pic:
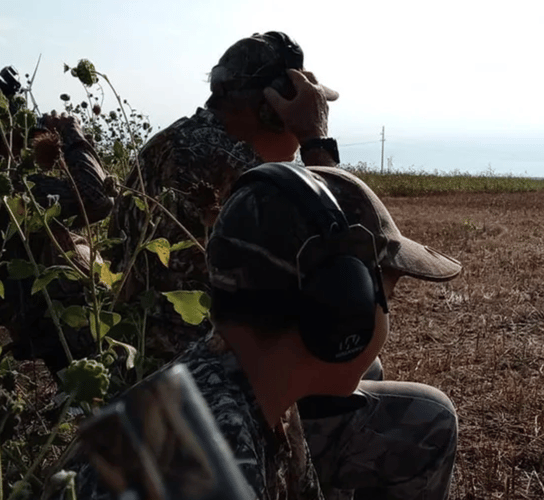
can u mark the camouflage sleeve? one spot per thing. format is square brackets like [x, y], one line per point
[89, 177]
[189, 167]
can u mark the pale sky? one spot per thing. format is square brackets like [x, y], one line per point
[421, 68]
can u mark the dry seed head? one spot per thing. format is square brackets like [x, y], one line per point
[47, 149]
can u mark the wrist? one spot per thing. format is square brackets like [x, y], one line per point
[320, 149]
[307, 136]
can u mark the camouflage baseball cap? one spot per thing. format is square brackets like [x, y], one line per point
[258, 62]
[259, 235]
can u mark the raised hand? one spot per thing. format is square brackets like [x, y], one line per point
[306, 115]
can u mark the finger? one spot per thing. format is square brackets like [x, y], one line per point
[274, 98]
[297, 77]
[311, 77]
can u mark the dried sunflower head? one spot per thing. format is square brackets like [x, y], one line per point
[47, 149]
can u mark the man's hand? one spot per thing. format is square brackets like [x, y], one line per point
[306, 115]
[68, 127]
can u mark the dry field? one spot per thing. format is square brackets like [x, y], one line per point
[480, 338]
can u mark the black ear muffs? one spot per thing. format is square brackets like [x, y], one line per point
[339, 278]
[338, 309]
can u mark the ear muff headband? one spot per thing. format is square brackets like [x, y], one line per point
[339, 276]
[313, 199]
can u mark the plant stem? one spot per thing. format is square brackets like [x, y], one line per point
[50, 232]
[92, 257]
[126, 272]
[52, 311]
[171, 216]
[132, 139]
[32, 478]
[11, 158]
[45, 448]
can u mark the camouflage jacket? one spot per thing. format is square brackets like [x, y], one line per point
[190, 167]
[276, 462]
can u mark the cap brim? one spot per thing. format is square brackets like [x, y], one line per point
[420, 261]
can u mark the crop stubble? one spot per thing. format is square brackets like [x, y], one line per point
[479, 338]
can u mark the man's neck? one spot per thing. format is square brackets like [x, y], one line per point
[245, 126]
[273, 369]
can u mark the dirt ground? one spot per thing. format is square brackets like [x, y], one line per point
[479, 338]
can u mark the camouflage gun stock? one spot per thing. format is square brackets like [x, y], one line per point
[160, 442]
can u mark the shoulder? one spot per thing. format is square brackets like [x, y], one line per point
[233, 405]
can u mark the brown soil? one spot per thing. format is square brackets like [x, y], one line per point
[480, 337]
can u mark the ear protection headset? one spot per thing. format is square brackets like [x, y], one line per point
[338, 273]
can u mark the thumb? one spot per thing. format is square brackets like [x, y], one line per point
[274, 98]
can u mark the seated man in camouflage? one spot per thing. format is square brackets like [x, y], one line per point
[302, 264]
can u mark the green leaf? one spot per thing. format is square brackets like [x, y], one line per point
[161, 247]
[44, 279]
[4, 104]
[139, 203]
[6, 187]
[2, 292]
[118, 149]
[25, 119]
[52, 212]
[105, 322]
[58, 309]
[130, 350]
[75, 316]
[108, 243]
[192, 306]
[17, 206]
[20, 269]
[182, 245]
[70, 220]
[105, 274]
[35, 223]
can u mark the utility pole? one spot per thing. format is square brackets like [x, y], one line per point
[383, 143]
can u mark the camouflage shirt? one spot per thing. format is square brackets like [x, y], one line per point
[190, 167]
[276, 462]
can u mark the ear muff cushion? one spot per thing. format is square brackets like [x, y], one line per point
[338, 309]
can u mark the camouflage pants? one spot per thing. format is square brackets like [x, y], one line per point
[389, 440]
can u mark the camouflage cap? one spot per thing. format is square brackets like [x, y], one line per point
[260, 232]
[362, 206]
[257, 62]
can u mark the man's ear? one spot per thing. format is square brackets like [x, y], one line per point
[269, 118]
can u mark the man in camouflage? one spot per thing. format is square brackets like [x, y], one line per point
[191, 165]
[386, 440]
[259, 375]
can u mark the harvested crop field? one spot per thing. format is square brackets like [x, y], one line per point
[479, 338]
